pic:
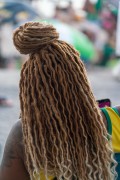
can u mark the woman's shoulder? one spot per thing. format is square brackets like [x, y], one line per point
[16, 133]
[13, 161]
[15, 140]
[17, 128]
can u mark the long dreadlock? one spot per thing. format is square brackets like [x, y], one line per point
[64, 135]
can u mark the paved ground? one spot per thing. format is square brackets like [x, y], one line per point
[102, 82]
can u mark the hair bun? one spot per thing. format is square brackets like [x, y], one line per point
[33, 35]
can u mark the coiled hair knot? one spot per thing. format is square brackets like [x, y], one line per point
[33, 36]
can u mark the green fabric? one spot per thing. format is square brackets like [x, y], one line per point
[98, 5]
[109, 124]
[83, 44]
[95, 15]
[107, 53]
[116, 110]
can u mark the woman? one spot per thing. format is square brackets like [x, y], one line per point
[63, 133]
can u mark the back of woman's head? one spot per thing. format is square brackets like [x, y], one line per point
[63, 132]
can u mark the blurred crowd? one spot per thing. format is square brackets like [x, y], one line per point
[97, 20]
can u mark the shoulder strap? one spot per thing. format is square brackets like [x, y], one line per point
[109, 124]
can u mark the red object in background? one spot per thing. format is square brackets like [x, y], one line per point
[104, 103]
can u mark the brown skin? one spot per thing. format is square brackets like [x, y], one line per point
[12, 166]
[13, 162]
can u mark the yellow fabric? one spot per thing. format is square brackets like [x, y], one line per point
[115, 120]
[42, 177]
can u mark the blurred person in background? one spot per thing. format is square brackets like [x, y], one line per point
[100, 27]
[93, 10]
[91, 26]
[109, 24]
[61, 134]
[65, 13]
[5, 102]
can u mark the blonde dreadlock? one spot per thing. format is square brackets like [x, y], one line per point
[63, 131]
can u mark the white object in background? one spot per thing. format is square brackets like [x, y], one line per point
[78, 4]
[118, 33]
[7, 48]
[116, 71]
[45, 8]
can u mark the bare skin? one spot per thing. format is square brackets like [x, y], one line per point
[12, 166]
[13, 162]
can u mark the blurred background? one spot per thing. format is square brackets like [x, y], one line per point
[91, 26]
